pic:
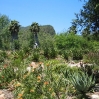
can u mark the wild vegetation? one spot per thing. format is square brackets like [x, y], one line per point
[43, 72]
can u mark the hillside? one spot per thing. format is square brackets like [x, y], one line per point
[43, 29]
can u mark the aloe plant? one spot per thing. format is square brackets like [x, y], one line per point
[82, 83]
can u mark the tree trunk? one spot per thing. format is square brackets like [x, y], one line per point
[36, 39]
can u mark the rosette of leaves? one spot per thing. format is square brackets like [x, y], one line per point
[68, 71]
[14, 29]
[82, 83]
[34, 27]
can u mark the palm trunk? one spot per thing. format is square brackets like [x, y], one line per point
[36, 39]
[14, 36]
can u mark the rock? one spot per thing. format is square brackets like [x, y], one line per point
[32, 64]
[29, 69]
[95, 96]
[1, 92]
[5, 94]
[2, 96]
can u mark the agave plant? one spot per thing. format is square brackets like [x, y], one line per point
[82, 83]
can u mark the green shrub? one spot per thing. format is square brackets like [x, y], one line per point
[3, 56]
[96, 73]
[92, 57]
[17, 58]
[67, 54]
[43, 84]
[6, 76]
[53, 52]
[46, 52]
[49, 50]
[15, 45]
[77, 54]
[71, 41]
[35, 56]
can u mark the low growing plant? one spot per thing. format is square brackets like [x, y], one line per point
[7, 75]
[82, 83]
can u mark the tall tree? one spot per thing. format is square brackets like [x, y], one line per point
[34, 28]
[14, 29]
[4, 21]
[88, 18]
[72, 29]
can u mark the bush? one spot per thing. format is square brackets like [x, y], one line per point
[53, 52]
[67, 54]
[43, 84]
[49, 50]
[67, 41]
[35, 55]
[46, 52]
[77, 54]
[6, 76]
[92, 57]
[3, 55]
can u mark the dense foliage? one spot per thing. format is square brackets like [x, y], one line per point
[87, 20]
[47, 29]
[44, 72]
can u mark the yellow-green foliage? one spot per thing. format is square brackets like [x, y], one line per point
[51, 79]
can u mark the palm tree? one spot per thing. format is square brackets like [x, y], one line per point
[14, 29]
[34, 28]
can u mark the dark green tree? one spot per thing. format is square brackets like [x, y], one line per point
[72, 29]
[88, 18]
[14, 29]
[34, 28]
[4, 21]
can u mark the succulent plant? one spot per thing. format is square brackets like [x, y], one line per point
[82, 82]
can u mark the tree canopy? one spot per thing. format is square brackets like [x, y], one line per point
[88, 18]
[4, 21]
[34, 27]
[14, 29]
[47, 29]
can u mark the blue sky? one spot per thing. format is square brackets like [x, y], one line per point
[58, 13]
